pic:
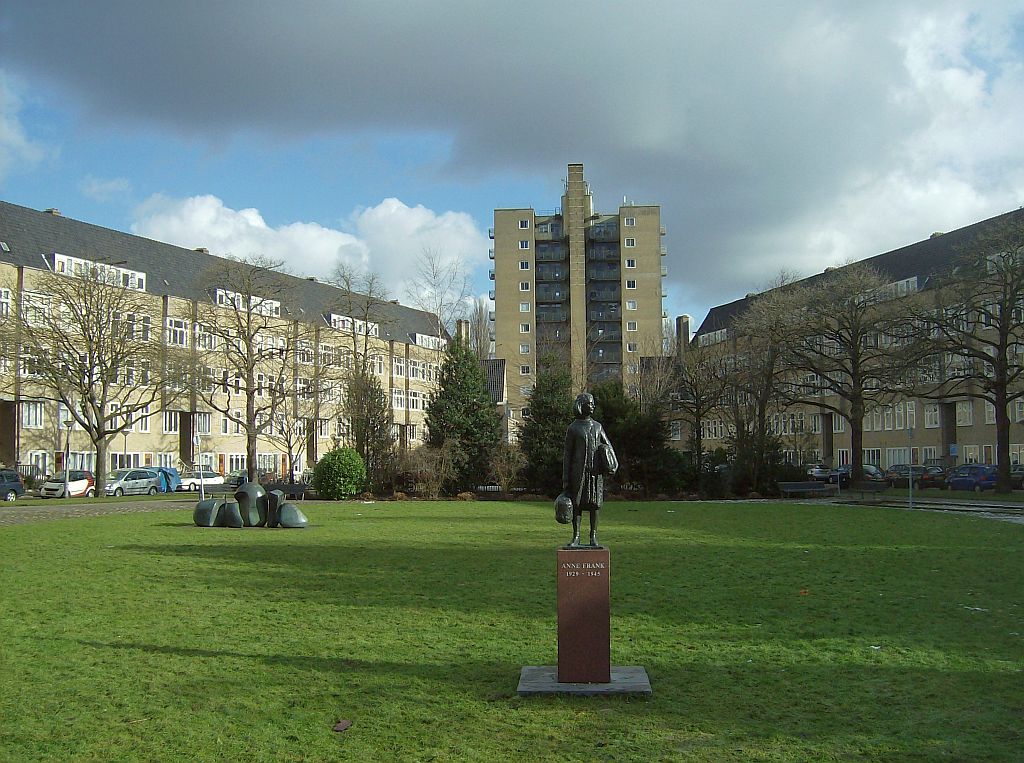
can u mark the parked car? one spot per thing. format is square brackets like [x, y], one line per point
[133, 482]
[869, 472]
[235, 478]
[80, 483]
[12, 486]
[976, 477]
[933, 476]
[818, 472]
[191, 480]
[898, 475]
[1017, 476]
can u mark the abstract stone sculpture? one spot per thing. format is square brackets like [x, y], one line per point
[206, 512]
[253, 508]
[290, 516]
[249, 496]
[587, 458]
[230, 515]
[274, 501]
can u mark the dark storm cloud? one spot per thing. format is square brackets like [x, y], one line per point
[761, 129]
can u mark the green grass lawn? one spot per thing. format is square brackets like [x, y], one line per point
[769, 631]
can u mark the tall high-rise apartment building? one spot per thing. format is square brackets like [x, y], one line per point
[577, 285]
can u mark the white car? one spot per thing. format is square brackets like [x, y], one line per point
[80, 483]
[190, 480]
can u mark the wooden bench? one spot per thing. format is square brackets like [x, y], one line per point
[805, 489]
[867, 486]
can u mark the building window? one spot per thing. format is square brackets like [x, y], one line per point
[203, 423]
[172, 422]
[524, 286]
[970, 454]
[675, 430]
[398, 398]
[964, 414]
[990, 413]
[524, 328]
[630, 284]
[631, 304]
[630, 263]
[142, 419]
[524, 244]
[911, 415]
[838, 423]
[815, 423]
[630, 325]
[524, 264]
[1019, 413]
[524, 224]
[630, 243]
[524, 370]
[398, 366]
[872, 456]
[524, 349]
[177, 332]
[524, 307]
[5, 302]
[630, 346]
[629, 222]
[32, 415]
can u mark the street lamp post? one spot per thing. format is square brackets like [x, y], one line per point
[197, 439]
[910, 474]
[68, 423]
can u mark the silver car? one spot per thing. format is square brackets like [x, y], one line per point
[133, 482]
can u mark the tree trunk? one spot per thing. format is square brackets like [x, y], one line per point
[1003, 484]
[250, 454]
[856, 439]
[101, 465]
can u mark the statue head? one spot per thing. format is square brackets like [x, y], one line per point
[584, 405]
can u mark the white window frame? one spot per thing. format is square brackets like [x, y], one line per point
[524, 307]
[524, 225]
[524, 349]
[631, 326]
[630, 263]
[629, 222]
[631, 304]
[631, 284]
[630, 243]
[525, 370]
[524, 328]
[524, 286]
[524, 243]
[524, 264]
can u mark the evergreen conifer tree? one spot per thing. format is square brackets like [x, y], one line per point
[542, 437]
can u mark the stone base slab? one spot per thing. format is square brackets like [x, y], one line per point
[543, 679]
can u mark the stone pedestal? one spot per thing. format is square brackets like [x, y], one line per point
[584, 615]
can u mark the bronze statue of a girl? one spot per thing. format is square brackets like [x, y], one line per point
[587, 458]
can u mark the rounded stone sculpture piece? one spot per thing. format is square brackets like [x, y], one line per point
[274, 502]
[249, 496]
[206, 512]
[230, 515]
[290, 516]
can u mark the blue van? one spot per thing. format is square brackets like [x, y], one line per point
[11, 485]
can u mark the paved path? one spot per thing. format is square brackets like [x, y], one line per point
[39, 511]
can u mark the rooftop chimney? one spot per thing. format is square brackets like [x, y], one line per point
[202, 250]
[462, 331]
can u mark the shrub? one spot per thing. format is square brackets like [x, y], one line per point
[341, 473]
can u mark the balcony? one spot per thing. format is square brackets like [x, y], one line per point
[664, 251]
[550, 294]
[604, 356]
[490, 294]
[551, 316]
[662, 231]
[609, 312]
[603, 253]
[550, 273]
[490, 273]
[603, 295]
[490, 233]
[490, 315]
[608, 336]
[603, 274]
[490, 254]
[603, 232]
[551, 253]
[664, 271]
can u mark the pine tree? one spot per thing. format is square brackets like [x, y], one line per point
[542, 437]
[461, 411]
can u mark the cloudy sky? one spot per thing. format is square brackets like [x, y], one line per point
[782, 135]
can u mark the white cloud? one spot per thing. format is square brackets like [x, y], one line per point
[15, 145]
[104, 189]
[386, 238]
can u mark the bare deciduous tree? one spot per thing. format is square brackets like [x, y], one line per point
[87, 342]
[439, 287]
[480, 327]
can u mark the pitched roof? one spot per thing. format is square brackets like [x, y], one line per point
[31, 236]
[923, 259]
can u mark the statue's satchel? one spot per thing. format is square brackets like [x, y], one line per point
[605, 459]
[563, 509]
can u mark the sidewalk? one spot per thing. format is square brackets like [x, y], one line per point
[55, 508]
